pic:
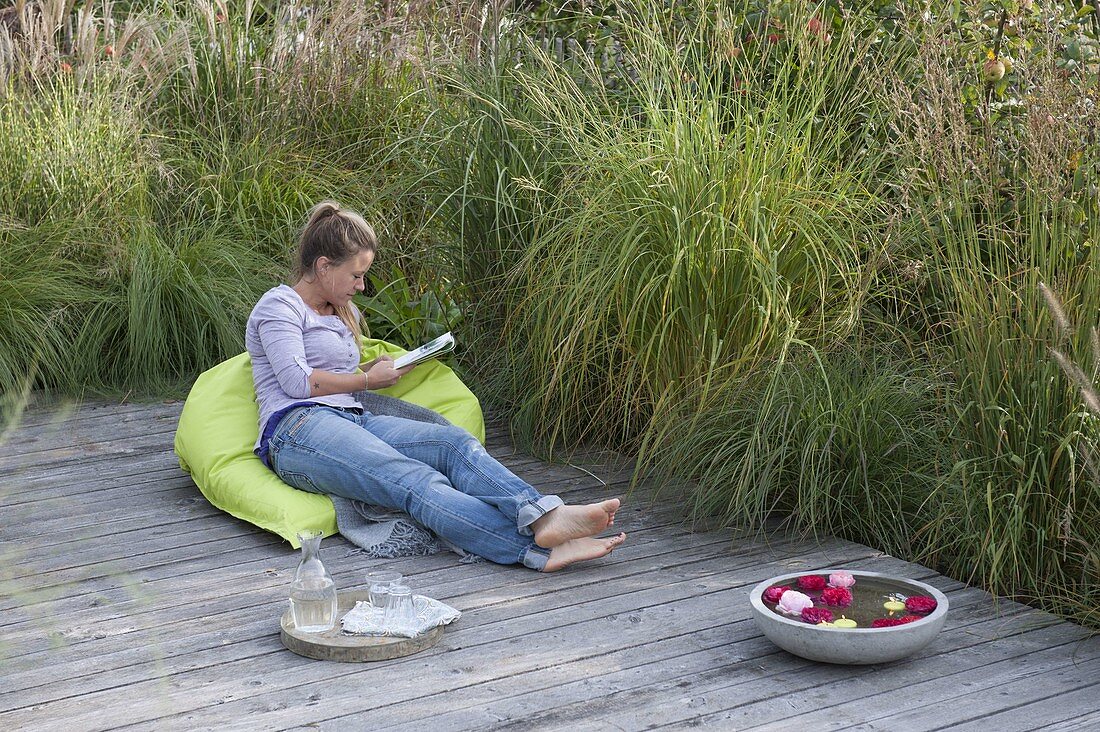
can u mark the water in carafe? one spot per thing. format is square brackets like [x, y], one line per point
[313, 605]
[313, 593]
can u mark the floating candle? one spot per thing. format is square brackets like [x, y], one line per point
[843, 622]
[893, 605]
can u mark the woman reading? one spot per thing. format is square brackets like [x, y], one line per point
[304, 344]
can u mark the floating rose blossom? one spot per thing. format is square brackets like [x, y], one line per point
[920, 604]
[886, 622]
[772, 594]
[793, 603]
[841, 579]
[815, 615]
[894, 622]
[837, 596]
[811, 582]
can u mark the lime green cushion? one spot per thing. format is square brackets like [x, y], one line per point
[218, 429]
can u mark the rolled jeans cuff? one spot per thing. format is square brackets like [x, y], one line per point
[535, 557]
[532, 511]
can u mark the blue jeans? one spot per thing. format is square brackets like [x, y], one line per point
[439, 475]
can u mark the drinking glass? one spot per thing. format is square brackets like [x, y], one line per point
[379, 583]
[399, 617]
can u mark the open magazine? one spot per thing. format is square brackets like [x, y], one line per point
[443, 344]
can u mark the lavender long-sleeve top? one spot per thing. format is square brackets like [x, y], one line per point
[287, 340]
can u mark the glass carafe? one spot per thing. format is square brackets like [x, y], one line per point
[313, 593]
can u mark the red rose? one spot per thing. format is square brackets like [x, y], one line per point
[772, 594]
[811, 582]
[815, 615]
[837, 596]
[886, 622]
[920, 604]
[893, 622]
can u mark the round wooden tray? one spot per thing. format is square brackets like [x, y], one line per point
[333, 645]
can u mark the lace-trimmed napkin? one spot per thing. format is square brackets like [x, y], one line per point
[363, 620]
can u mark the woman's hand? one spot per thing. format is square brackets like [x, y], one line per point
[381, 373]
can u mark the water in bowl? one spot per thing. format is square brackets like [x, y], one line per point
[869, 597]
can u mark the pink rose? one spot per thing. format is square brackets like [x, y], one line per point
[841, 579]
[772, 594]
[793, 602]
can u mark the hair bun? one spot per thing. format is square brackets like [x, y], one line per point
[323, 210]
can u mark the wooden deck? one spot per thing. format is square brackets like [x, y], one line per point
[129, 602]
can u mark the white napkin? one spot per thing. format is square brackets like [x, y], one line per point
[363, 620]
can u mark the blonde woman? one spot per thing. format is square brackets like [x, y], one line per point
[304, 344]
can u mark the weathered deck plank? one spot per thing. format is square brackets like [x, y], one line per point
[124, 591]
[676, 652]
[200, 599]
[239, 621]
[883, 697]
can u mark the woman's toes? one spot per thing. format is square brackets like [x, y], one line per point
[579, 550]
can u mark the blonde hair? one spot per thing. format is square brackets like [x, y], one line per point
[336, 234]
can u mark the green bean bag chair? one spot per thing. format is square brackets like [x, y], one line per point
[218, 429]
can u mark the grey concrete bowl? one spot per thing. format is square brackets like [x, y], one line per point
[849, 645]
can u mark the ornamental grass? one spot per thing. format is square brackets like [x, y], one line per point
[791, 258]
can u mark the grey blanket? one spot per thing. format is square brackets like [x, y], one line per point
[384, 533]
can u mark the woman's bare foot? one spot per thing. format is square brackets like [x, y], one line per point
[566, 523]
[578, 550]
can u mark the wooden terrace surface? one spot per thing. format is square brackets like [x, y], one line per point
[128, 602]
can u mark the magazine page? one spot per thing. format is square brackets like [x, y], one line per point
[443, 344]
